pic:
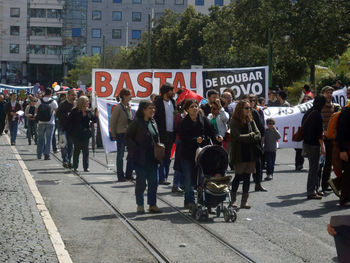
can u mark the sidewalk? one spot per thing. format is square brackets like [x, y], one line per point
[23, 236]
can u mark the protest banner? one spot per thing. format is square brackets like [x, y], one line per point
[107, 83]
[287, 119]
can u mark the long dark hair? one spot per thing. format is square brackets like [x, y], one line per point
[144, 104]
[238, 113]
[319, 102]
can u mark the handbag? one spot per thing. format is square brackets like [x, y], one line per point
[159, 151]
[299, 135]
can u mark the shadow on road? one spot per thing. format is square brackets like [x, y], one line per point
[328, 207]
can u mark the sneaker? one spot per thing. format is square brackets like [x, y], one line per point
[344, 204]
[140, 210]
[260, 188]
[164, 183]
[86, 170]
[6, 131]
[70, 166]
[177, 190]
[65, 164]
[75, 170]
[47, 157]
[314, 196]
[320, 193]
[154, 209]
[268, 177]
[299, 168]
[334, 187]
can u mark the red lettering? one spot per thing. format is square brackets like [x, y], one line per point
[143, 83]
[163, 76]
[179, 78]
[285, 134]
[103, 79]
[124, 78]
[193, 84]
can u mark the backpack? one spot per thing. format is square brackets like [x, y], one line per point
[44, 111]
[333, 124]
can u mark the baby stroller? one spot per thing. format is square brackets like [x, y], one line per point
[213, 184]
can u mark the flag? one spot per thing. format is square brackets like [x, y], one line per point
[188, 94]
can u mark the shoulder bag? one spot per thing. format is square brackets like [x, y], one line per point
[159, 149]
[299, 135]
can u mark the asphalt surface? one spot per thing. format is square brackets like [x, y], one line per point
[282, 226]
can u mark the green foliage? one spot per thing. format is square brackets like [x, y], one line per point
[331, 81]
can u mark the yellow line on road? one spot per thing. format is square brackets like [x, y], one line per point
[56, 240]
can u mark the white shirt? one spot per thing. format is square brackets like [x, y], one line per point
[53, 106]
[169, 115]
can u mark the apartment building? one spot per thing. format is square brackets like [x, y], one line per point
[31, 38]
[122, 22]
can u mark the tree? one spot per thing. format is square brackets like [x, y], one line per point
[83, 66]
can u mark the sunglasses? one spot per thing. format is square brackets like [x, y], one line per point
[271, 123]
[247, 108]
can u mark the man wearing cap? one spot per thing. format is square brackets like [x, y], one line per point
[273, 101]
[327, 111]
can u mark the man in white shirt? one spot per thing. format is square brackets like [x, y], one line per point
[45, 114]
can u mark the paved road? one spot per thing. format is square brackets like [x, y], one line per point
[282, 225]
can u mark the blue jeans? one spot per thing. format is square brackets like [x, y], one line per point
[270, 158]
[45, 132]
[143, 174]
[120, 139]
[188, 173]
[13, 126]
[163, 170]
[67, 151]
[178, 180]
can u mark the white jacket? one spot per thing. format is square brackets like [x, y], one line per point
[221, 120]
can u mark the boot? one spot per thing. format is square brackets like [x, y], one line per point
[244, 202]
[234, 198]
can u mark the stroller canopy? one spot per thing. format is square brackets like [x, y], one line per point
[212, 160]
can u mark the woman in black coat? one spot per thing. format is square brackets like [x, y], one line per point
[141, 136]
[79, 128]
[195, 131]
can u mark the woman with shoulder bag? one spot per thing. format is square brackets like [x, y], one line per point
[244, 140]
[79, 121]
[194, 131]
[141, 137]
[121, 116]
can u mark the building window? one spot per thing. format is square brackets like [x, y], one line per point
[37, 31]
[96, 33]
[96, 50]
[38, 13]
[199, 2]
[53, 50]
[96, 15]
[14, 48]
[219, 2]
[76, 32]
[96, 1]
[14, 30]
[179, 2]
[136, 16]
[116, 33]
[136, 34]
[37, 49]
[54, 32]
[54, 13]
[14, 12]
[117, 1]
[137, 1]
[159, 2]
[117, 16]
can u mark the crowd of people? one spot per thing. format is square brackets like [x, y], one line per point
[239, 126]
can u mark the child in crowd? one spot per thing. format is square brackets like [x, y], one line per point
[270, 147]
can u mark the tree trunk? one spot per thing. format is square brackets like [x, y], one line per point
[312, 78]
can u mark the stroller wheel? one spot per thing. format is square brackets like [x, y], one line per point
[233, 214]
[226, 214]
[218, 211]
[198, 214]
[205, 214]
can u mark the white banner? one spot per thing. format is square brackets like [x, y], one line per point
[288, 119]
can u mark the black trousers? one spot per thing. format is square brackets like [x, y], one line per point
[245, 177]
[81, 144]
[325, 172]
[345, 183]
[257, 176]
[2, 125]
[299, 159]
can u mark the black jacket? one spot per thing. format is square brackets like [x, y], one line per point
[63, 111]
[2, 110]
[259, 121]
[140, 142]
[189, 132]
[159, 117]
[313, 127]
[79, 125]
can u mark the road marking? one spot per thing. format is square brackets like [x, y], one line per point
[56, 239]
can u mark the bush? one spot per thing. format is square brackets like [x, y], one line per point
[331, 81]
